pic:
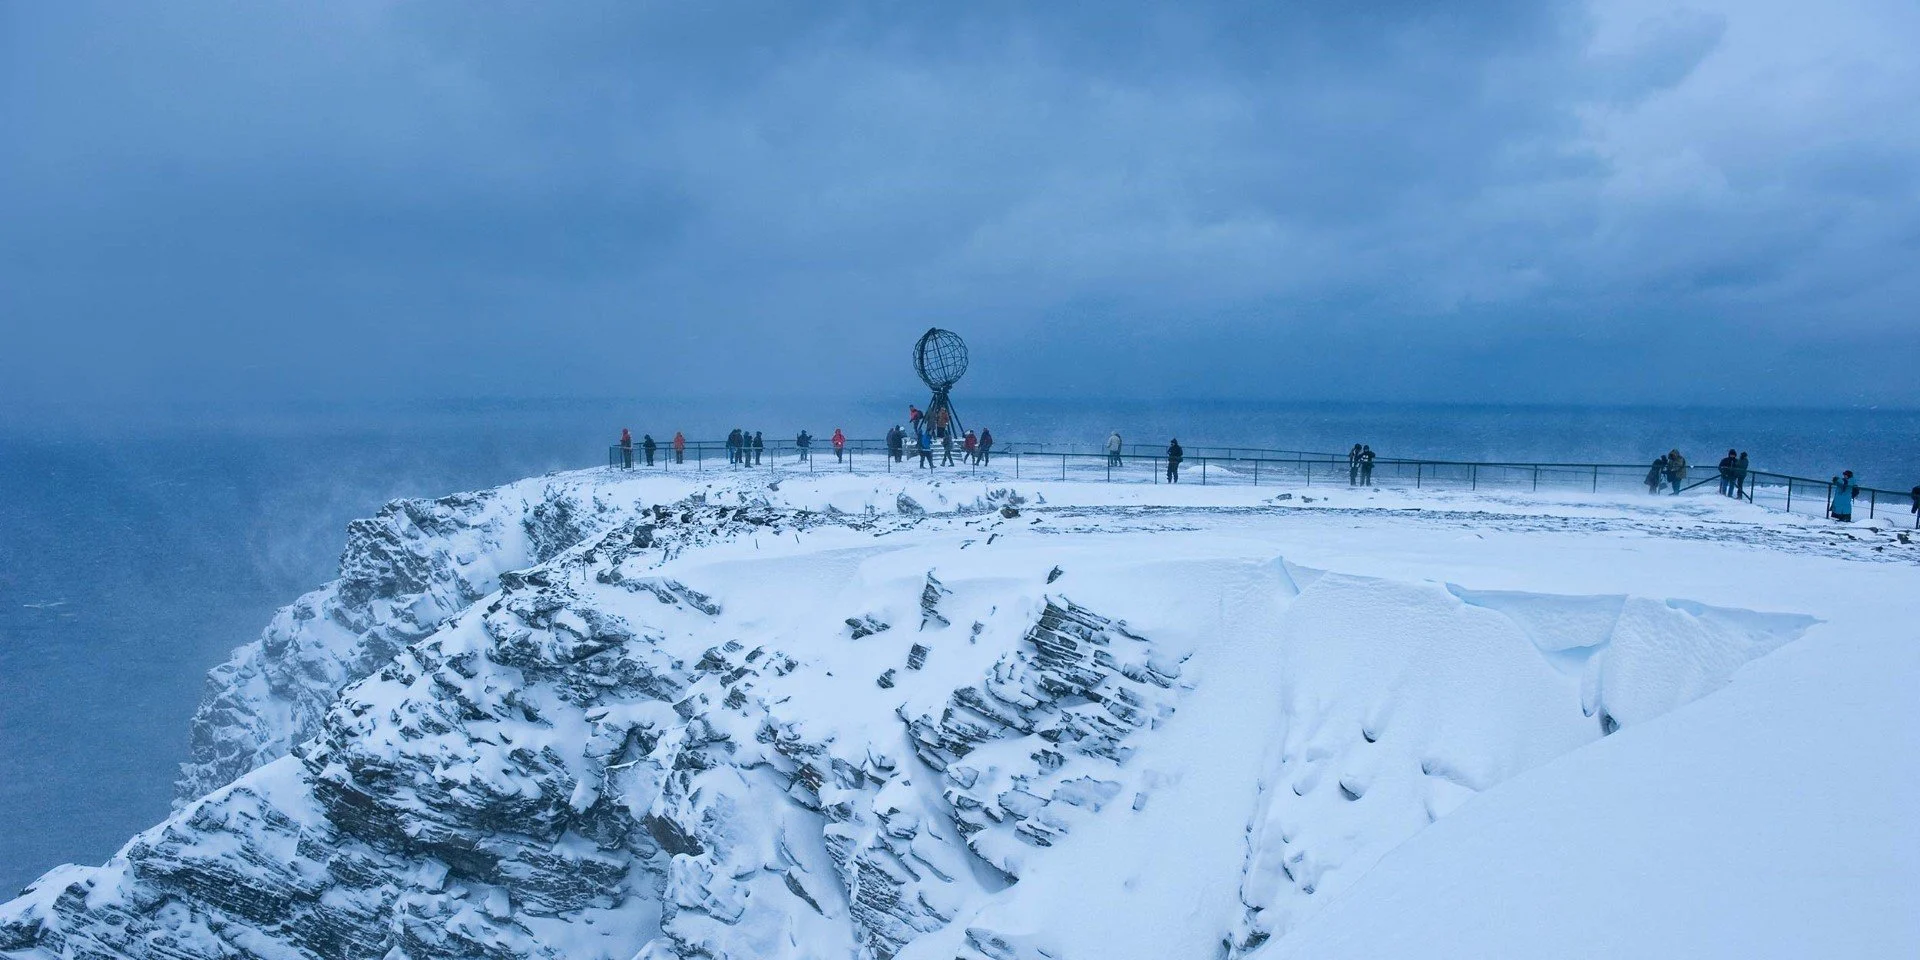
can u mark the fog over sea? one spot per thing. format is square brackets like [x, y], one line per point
[135, 554]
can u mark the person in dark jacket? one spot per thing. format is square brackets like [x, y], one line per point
[986, 446]
[1366, 466]
[946, 449]
[733, 446]
[626, 449]
[897, 443]
[759, 447]
[1740, 476]
[1844, 490]
[805, 442]
[1727, 464]
[1656, 474]
[1174, 456]
[1353, 466]
[648, 446]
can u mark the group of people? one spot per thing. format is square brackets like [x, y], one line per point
[1668, 469]
[1360, 466]
[1175, 454]
[744, 449]
[648, 447]
[1733, 475]
[920, 442]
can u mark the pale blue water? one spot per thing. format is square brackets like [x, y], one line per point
[129, 566]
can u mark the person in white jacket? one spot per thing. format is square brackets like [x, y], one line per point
[1113, 449]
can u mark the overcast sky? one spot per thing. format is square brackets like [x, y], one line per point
[1511, 201]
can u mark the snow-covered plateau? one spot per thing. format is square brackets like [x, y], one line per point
[600, 715]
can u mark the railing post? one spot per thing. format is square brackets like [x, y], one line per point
[1203, 471]
[1596, 479]
[1063, 466]
[1016, 464]
[1873, 497]
[1536, 479]
[1418, 469]
[1309, 473]
[1256, 473]
[1473, 477]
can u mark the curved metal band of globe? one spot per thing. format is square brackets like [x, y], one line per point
[940, 358]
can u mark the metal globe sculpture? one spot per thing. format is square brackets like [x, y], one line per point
[940, 358]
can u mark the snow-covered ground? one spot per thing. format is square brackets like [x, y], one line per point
[847, 715]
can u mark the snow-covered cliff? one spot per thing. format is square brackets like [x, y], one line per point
[648, 719]
[403, 571]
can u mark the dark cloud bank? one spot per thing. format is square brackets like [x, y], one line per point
[1524, 202]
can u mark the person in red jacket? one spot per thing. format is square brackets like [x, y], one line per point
[626, 449]
[839, 444]
[913, 417]
[679, 447]
[968, 444]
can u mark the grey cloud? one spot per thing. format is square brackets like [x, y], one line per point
[439, 199]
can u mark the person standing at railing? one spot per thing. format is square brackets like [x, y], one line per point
[647, 446]
[896, 442]
[626, 449]
[1656, 474]
[1174, 456]
[986, 446]
[1366, 466]
[1740, 476]
[839, 444]
[805, 444]
[1727, 464]
[1676, 470]
[1114, 445]
[1353, 466]
[759, 447]
[679, 447]
[733, 447]
[1844, 490]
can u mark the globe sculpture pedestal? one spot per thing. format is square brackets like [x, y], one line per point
[940, 358]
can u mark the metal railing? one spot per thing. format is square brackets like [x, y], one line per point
[1261, 467]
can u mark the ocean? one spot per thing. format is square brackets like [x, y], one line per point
[134, 559]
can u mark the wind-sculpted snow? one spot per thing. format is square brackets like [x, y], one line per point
[1434, 695]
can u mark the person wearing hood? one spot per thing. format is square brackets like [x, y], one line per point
[1727, 464]
[969, 448]
[1656, 474]
[759, 447]
[1114, 446]
[804, 441]
[1174, 456]
[1844, 490]
[924, 444]
[648, 446]
[626, 449]
[1676, 469]
[986, 446]
[733, 446]
[679, 447]
[839, 441]
[1366, 466]
[1740, 476]
[1353, 466]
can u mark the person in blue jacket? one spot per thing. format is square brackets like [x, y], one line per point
[1844, 490]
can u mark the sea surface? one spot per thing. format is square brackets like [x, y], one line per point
[134, 559]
